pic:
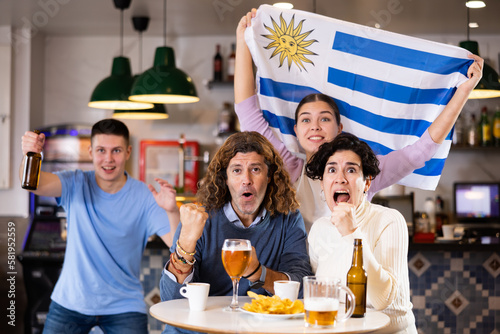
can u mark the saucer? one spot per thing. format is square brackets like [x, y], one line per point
[443, 239]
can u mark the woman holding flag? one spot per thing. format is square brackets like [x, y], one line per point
[317, 121]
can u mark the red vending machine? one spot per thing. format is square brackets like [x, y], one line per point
[171, 160]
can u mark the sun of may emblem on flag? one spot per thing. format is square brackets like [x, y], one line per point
[289, 42]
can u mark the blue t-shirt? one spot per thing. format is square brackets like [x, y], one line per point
[107, 234]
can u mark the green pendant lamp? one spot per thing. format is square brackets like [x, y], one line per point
[159, 111]
[489, 85]
[164, 82]
[113, 91]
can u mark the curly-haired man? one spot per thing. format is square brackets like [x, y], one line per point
[246, 194]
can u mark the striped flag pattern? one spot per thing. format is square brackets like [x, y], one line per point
[389, 87]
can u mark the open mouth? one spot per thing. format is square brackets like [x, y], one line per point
[108, 168]
[247, 195]
[341, 196]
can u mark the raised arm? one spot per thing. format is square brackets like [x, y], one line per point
[244, 83]
[165, 198]
[443, 124]
[398, 164]
[193, 220]
[49, 184]
[246, 104]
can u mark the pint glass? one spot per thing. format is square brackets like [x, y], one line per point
[322, 296]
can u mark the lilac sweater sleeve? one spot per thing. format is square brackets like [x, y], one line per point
[252, 119]
[398, 164]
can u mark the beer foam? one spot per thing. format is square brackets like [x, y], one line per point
[321, 304]
[236, 248]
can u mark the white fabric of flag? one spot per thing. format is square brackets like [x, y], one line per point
[388, 87]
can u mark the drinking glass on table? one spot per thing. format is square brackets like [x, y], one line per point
[236, 256]
[321, 301]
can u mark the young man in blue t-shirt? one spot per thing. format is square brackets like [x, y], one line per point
[110, 217]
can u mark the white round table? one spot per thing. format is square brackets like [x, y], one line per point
[214, 320]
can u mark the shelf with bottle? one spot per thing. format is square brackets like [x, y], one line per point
[223, 65]
[219, 84]
[482, 135]
[467, 148]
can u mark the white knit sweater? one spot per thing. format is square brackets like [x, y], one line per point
[385, 258]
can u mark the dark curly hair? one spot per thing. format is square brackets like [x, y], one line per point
[343, 142]
[318, 97]
[213, 192]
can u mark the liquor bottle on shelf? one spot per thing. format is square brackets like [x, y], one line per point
[441, 216]
[430, 209]
[357, 279]
[230, 63]
[31, 171]
[226, 120]
[458, 134]
[217, 65]
[472, 137]
[496, 128]
[484, 128]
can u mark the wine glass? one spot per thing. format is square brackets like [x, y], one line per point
[236, 256]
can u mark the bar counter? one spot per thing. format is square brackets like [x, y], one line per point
[454, 286]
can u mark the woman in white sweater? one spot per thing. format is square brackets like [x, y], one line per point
[346, 167]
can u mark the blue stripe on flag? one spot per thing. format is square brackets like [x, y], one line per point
[283, 123]
[269, 87]
[285, 91]
[389, 91]
[432, 167]
[398, 55]
[383, 124]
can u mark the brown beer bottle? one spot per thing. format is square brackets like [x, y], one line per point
[356, 280]
[32, 165]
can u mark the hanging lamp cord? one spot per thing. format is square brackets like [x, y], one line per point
[468, 23]
[140, 51]
[121, 32]
[164, 22]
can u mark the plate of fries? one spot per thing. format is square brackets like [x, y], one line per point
[273, 307]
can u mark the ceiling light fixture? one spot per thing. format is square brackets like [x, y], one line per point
[283, 5]
[475, 4]
[159, 111]
[113, 91]
[164, 83]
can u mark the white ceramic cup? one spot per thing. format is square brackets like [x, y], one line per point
[448, 231]
[287, 289]
[197, 294]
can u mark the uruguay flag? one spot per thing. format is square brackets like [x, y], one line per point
[389, 87]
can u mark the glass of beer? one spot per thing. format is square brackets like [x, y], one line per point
[236, 256]
[322, 296]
